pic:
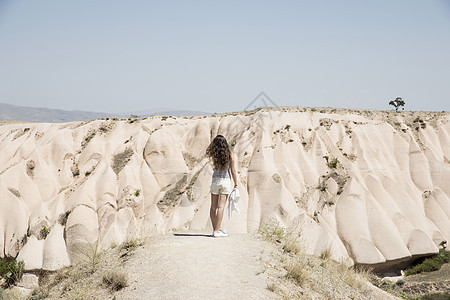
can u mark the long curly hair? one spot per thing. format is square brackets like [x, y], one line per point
[219, 151]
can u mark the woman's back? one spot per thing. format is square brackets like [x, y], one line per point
[222, 173]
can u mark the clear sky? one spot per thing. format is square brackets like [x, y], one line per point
[216, 56]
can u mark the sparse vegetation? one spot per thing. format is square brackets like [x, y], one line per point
[131, 245]
[325, 254]
[89, 136]
[137, 193]
[419, 123]
[20, 133]
[272, 287]
[172, 195]
[276, 177]
[322, 186]
[39, 293]
[10, 294]
[75, 170]
[62, 219]
[322, 277]
[272, 231]
[430, 264]
[351, 156]
[291, 245]
[30, 168]
[115, 280]
[190, 160]
[330, 201]
[14, 192]
[89, 254]
[356, 277]
[121, 159]
[11, 270]
[82, 281]
[296, 269]
[44, 232]
[332, 164]
[436, 296]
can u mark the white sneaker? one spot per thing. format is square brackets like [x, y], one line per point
[220, 233]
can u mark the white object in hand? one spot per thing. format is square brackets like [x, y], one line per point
[233, 201]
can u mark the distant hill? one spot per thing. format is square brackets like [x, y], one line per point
[164, 111]
[10, 112]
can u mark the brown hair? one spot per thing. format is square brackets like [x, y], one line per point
[219, 151]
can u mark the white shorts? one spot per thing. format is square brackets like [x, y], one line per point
[220, 186]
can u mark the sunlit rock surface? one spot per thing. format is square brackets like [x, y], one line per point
[69, 189]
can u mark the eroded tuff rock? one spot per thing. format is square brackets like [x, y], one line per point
[67, 189]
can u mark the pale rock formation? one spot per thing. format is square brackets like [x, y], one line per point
[70, 189]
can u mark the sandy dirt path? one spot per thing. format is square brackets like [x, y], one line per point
[198, 266]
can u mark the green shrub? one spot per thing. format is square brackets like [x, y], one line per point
[44, 231]
[430, 264]
[436, 296]
[332, 164]
[11, 270]
[137, 193]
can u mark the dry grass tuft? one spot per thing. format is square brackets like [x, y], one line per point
[90, 278]
[296, 269]
[272, 287]
[325, 254]
[131, 245]
[88, 254]
[39, 293]
[272, 231]
[313, 277]
[115, 280]
[291, 245]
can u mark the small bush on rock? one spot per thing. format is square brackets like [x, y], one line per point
[430, 264]
[332, 164]
[11, 270]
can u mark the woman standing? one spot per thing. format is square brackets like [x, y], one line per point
[222, 158]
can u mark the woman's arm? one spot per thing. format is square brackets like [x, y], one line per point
[233, 170]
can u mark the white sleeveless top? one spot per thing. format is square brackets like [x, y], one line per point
[225, 173]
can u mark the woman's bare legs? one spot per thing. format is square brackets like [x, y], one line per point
[220, 209]
[213, 210]
[217, 209]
